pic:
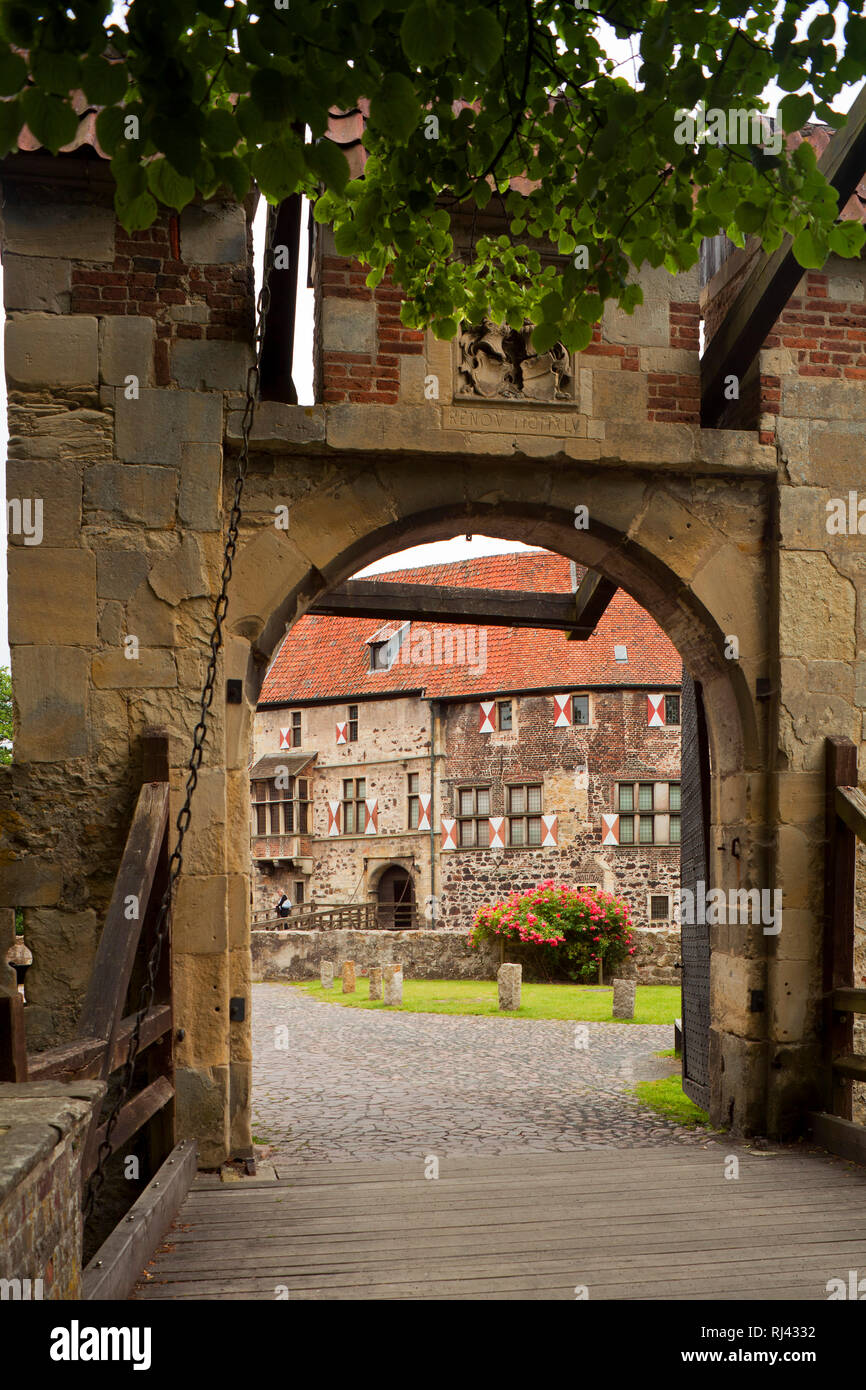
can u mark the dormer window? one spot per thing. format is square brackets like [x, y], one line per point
[385, 646]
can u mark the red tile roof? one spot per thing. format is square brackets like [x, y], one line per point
[326, 658]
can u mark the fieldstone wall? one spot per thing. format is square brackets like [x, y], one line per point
[42, 1130]
[430, 955]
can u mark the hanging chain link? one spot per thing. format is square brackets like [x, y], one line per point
[175, 863]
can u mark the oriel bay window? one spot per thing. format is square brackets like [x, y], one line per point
[473, 811]
[354, 809]
[649, 813]
[524, 814]
[281, 809]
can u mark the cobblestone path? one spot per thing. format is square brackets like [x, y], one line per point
[360, 1084]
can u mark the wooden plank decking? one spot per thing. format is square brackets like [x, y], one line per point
[627, 1224]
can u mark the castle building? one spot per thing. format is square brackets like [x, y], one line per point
[427, 767]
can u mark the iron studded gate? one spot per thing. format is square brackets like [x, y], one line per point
[694, 869]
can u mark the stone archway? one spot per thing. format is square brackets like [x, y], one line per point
[661, 536]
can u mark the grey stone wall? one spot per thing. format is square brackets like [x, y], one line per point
[429, 955]
[42, 1129]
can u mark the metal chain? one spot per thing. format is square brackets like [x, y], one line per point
[175, 863]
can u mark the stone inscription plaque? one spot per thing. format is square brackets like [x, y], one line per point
[511, 421]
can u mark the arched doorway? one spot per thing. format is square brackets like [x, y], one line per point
[395, 897]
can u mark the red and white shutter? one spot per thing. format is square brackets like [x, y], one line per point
[334, 808]
[423, 810]
[342, 731]
[486, 712]
[372, 805]
[610, 830]
[497, 832]
[284, 738]
[561, 711]
[549, 831]
[449, 833]
[655, 711]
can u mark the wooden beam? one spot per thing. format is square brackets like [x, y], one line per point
[133, 1116]
[119, 1261]
[593, 595]
[852, 1001]
[838, 954]
[109, 980]
[773, 279]
[367, 598]
[77, 1060]
[841, 1137]
[851, 808]
[13, 1043]
[853, 1066]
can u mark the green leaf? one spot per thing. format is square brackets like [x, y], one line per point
[13, 74]
[809, 250]
[231, 170]
[10, 126]
[847, 238]
[109, 129]
[544, 335]
[480, 39]
[104, 83]
[136, 213]
[395, 110]
[271, 91]
[328, 161]
[51, 119]
[576, 335]
[221, 132]
[749, 217]
[170, 187]
[795, 111]
[56, 72]
[427, 33]
[445, 329]
[278, 168]
[346, 241]
[722, 201]
[482, 193]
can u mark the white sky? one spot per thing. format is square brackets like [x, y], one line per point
[458, 548]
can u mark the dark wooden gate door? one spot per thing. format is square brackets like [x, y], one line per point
[396, 895]
[694, 869]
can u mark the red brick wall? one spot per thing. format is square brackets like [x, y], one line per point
[149, 278]
[355, 376]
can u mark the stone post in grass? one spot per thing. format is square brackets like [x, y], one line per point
[623, 998]
[348, 977]
[392, 975]
[326, 974]
[375, 982]
[509, 977]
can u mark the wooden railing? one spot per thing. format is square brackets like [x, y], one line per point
[104, 1030]
[845, 825]
[352, 917]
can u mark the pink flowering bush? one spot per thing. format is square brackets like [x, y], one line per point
[571, 932]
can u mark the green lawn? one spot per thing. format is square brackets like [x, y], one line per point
[669, 1099]
[584, 1003]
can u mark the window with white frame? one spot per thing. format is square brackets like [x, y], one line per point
[473, 812]
[524, 808]
[649, 813]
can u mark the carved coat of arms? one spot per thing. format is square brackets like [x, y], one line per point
[495, 360]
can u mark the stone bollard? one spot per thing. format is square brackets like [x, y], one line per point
[509, 977]
[327, 974]
[348, 977]
[623, 998]
[375, 982]
[393, 984]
